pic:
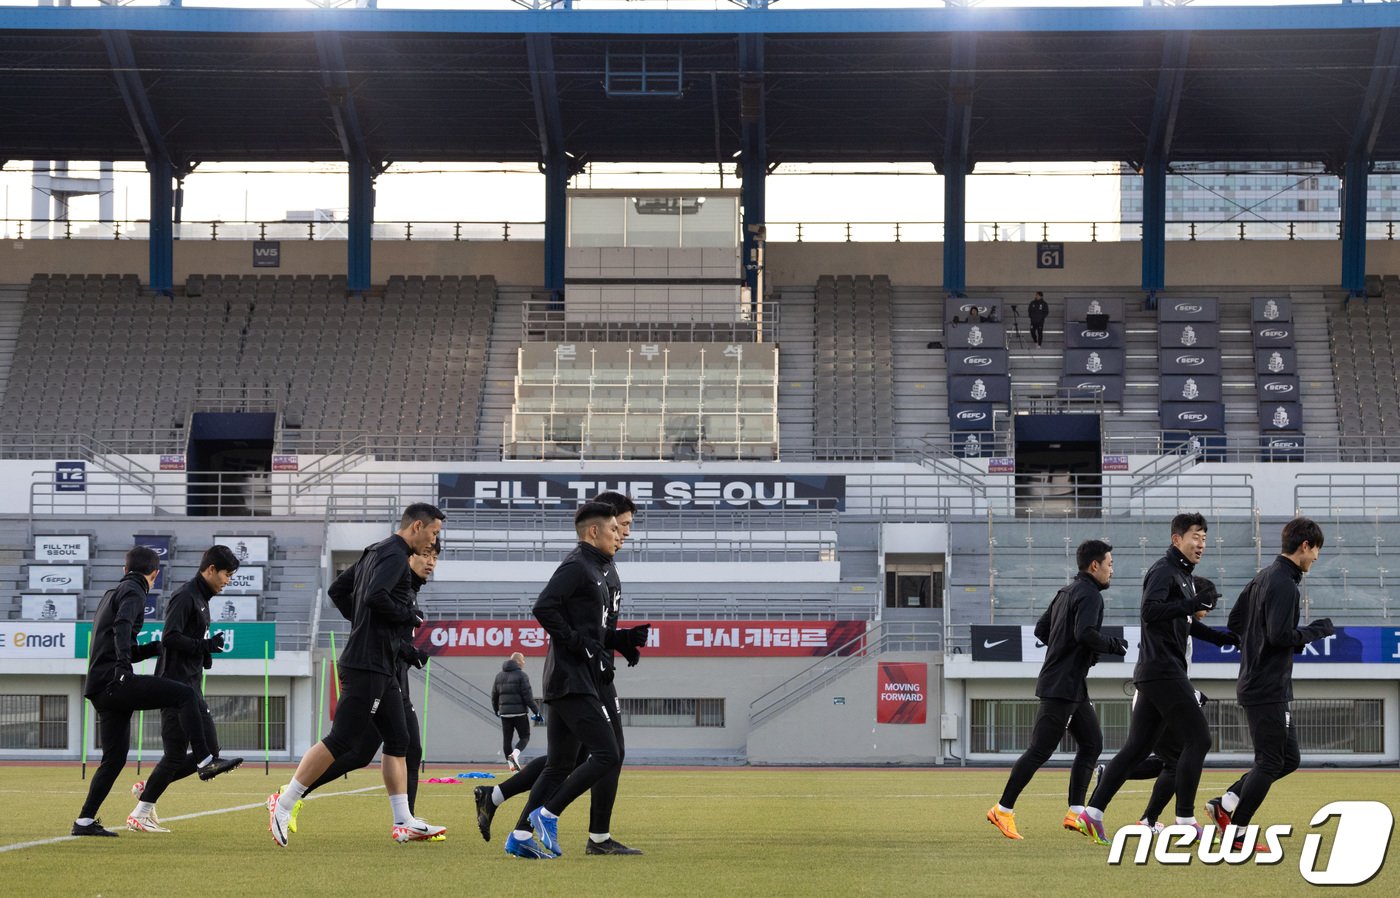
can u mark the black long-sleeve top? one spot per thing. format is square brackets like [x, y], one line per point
[573, 609]
[1070, 630]
[382, 605]
[115, 627]
[1168, 606]
[182, 654]
[1266, 619]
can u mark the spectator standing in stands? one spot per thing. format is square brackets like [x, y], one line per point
[1069, 628]
[116, 691]
[369, 688]
[342, 594]
[1038, 311]
[1266, 618]
[514, 702]
[186, 652]
[1171, 611]
[629, 642]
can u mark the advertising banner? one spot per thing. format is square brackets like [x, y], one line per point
[1280, 416]
[979, 388]
[63, 548]
[1281, 447]
[1189, 388]
[975, 336]
[162, 543]
[70, 476]
[172, 463]
[62, 577]
[1279, 388]
[978, 361]
[901, 692]
[34, 639]
[1277, 333]
[681, 491]
[1079, 336]
[223, 609]
[48, 607]
[1110, 386]
[1269, 309]
[1203, 309]
[1198, 335]
[668, 638]
[1189, 361]
[970, 415]
[1104, 360]
[241, 640]
[961, 307]
[247, 549]
[248, 578]
[1350, 645]
[1078, 308]
[1195, 416]
[1276, 361]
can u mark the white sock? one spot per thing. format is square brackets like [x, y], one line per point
[544, 812]
[399, 805]
[599, 837]
[498, 797]
[144, 809]
[291, 794]
[1229, 801]
[1076, 809]
[205, 762]
[84, 821]
[1004, 809]
[1094, 814]
[1185, 820]
[523, 835]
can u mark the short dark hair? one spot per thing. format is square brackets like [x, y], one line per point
[1186, 520]
[589, 512]
[435, 548]
[420, 511]
[1090, 551]
[142, 560]
[621, 503]
[221, 557]
[1299, 531]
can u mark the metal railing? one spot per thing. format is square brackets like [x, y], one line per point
[647, 321]
[461, 692]
[406, 231]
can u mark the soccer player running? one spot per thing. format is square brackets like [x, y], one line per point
[1266, 618]
[1069, 628]
[572, 608]
[185, 654]
[341, 593]
[369, 688]
[1171, 611]
[116, 691]
[629, 641]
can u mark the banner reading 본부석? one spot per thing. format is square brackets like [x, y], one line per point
[669, 638]
[902, 692]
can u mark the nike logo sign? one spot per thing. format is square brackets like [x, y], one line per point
[988, 644]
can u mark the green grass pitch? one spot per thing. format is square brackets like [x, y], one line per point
[751, 832]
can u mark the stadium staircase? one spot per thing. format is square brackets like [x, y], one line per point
[12, 299]
[502, 364]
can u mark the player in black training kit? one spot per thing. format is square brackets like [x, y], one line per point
[1070, 630]
[1171, 611]
[629, 642]
[341, 594]
[185, 654]
[116, 691]
[369, 688]
[1266, 618]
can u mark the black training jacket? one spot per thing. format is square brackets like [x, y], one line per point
[182, 654]
[1168, 602]
[1039, 310]
[1070, 630]
[511, 695]
[1265, 617]
[382, 607]
[573, 609]
[115, 626]
[342, 595]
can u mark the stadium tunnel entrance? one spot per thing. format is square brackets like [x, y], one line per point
[230, 463]
[1059, 464]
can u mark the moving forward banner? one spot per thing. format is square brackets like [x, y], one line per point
[670, 638]
[902, 692]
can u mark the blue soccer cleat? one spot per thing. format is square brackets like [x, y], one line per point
[546, 829]
[530, 849]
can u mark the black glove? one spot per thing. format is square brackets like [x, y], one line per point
[417, 657]
[637, 636]
[123, 673]
[1321, 628]
[214, 644]
[1228, 638]
[1119, 645]
[1207, 596]
[630, 651]
[208, 661]
[584, 647]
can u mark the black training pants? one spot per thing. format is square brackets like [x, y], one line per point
[511, 727]
[1055, 716]
[573, 721]
[362, 754]
[370, 704]
[1157, 703]
[178, 761]
[604, 794]
[1275, 756]
[114, 710]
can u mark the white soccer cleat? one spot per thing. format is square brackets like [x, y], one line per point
[145, 824]
[277, 819]
[416, 830]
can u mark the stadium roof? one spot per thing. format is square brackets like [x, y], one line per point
[1208, 84]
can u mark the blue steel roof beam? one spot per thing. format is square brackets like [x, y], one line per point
[1378, 93]
[1171, 79]
[135, 97]
[549, 120]
[962, 82]
[335, 80]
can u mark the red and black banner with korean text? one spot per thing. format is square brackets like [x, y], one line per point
[668, 639]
